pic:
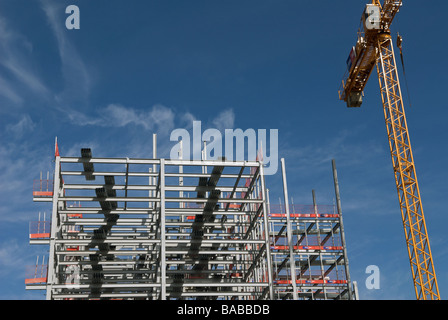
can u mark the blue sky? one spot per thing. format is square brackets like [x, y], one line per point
[135, 68]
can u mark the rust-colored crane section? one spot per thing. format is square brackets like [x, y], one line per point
[375, 47]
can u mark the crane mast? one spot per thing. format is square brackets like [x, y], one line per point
[375, 47]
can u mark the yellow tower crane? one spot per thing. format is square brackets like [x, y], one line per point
[374, 47]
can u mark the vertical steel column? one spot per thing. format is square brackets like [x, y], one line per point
[181, 171]
[152, 179]
[162, 231]
[154, 156]
[151, 193]
[51, 278]
[341, 226]
[267, 200]
[266, 211]
[126, 182]
[355, 290]
[289, 230]
[319, 242]
[154, 147]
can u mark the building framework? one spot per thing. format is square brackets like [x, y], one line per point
[126, 228]
[313, 235]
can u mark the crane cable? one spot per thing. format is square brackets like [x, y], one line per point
[400, 46]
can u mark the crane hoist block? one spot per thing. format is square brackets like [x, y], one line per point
[354, 100]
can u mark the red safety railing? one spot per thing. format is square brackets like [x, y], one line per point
[74, 228]
[40, 229]
[302, 209]
[306, 281]
[36, 274]
[42, 188]
[310, 240]
[318, 248]
[315, 277]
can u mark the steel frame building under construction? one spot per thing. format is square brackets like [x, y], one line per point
[125, 228]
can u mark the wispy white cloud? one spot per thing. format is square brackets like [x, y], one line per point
[187, 119]
[16, 267]
[17, 62]
[74, 150]
[23, 74]
[20, 79]
[158, 117]
[20, 163]
[76, 76]
[8, 91]
[8, 250]
[313, 157]
[310, 161]
[24, 125]
[224, 120]
[136, 126]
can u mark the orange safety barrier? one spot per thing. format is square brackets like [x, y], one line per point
[43, 193]
[302, 209]
[39, 229]
[304, 215]
[39, 235]
[36, 274]
[42, 188]
[312, 281]
[307, 247]
[36, 280]
[74, 215]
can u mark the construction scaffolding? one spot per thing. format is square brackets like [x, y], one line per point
[313, 236]
[125, 228]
